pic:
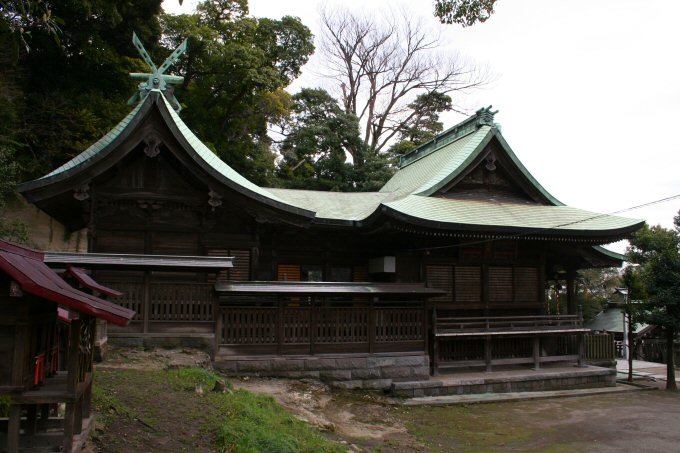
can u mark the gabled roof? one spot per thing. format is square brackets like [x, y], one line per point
[27, 268]
[95, 159]
[416, 194]
[439, 162]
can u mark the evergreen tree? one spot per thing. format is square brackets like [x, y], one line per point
[234, 72]
[657, 251]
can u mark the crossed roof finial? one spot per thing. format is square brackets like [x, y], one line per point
[157, 79]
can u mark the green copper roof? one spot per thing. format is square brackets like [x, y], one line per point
[410, 195]
[215, 162]
[431, 168]
[333, 205]
[203, 155]
[95, 149]
[447, 213]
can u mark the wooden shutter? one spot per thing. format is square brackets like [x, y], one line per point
[500, 284]
[468, 284]
[288, 272]
[526, 284]
[441, 277]
[241, 269]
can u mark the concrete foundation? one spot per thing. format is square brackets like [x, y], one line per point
[367, 371]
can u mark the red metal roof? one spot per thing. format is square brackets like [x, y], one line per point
[84, 279]
[28, 269]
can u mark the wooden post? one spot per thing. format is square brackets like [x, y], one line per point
[571, 296]
[312, 325]
[13, 428]
[146, 301]
[487, 354]
[71, 383]
[219, 326]
[279, 325]
[371, 327]
[537, 353]
[31, 418]
[87, 400]
[426, 335]
[435, 342]
[581, 346]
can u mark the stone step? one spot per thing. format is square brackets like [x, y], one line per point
[504, 382]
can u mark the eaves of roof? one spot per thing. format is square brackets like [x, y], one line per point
[27, 268]
[529, 220]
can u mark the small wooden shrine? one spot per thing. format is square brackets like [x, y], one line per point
[447, 265]
[47, 336]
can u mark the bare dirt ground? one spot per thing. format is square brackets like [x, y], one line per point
[370, 422]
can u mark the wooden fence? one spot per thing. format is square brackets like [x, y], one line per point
[599, 347]
[166, 301]
[320, 329]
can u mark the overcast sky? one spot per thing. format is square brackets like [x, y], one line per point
[587, 91]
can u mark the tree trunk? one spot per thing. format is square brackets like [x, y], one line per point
[670, 361]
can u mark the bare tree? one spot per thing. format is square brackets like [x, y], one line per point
[381, 66]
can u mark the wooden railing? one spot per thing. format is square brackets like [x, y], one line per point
[181, 302]
[507, 324]
[509, 340]
[316, 329]
[132, 298]
[167, 301]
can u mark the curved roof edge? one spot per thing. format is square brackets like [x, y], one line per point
[209, 161]
[429, 215]
[478, 147]
[610, 254]
[197, 150]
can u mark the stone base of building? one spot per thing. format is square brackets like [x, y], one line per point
[203, 342]
[559, 377]
[352, 371]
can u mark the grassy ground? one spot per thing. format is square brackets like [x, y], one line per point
[160, 401]
[176, 410]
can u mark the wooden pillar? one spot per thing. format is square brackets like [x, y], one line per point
[31, 419]
[571, 293]
[146, 302]
[371, 327]
[426, 335]
[219, 325]
[435, 342]
[78, 416]
[485, 290]
[87, 400]
[71, 383]
[312, 326]
[279, 325]
[537, 353]
[487, 354]
[13, 428]
[581, 349]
